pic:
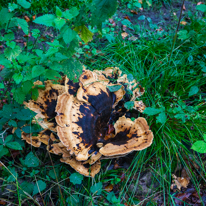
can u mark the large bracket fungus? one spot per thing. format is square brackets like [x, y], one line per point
[90, 119]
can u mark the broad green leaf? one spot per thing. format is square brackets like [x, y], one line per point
[137, 4]
[14, 145]
[37, 71]
[130, 77]
[59, 23]
[1, 148]
[35, 93]
[12, 123]
[26, 86]
[13, 174]
[76, 178]
[161, 118]
[152, 111]
[201, 7]
[183, 34]
[35, 33]
[193, 90]
[5, 16]
[27, 187]
[23, 24]
[52, 174]
[11, 44]
[39, 187]
[199, 146]
[51, 51]
[1, 86]
[129, 105]
[51, 74]
[3, 152]
[84, 33]
[25, 114]
[70, 14]
[7, 111]
[96, 189]
[141, 18]
[69, 35]
[9, 36]
[31, 160]
[11, 54]
[24, 3]
[58, 12]
[204, 137]
[18, 133]
[114, 88]
[8, 138]
[73, 200]
[12, 7]
[17, 77]
[46, 20]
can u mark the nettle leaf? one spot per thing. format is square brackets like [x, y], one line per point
[39, 186]
[14, 145]
[193, 90]
[129, 105]
[58, 12]
[17, 77]
[12, 7]
[102, 10]
[5, 16]
[9, 36]
[114, 88]
[26, 86]
[69, 35]
[162, 118]
[84, 33]
[37, 71]
[59, 23]
[34, 93]
[76, 178]
[51, 74]
[12, 53]
[199, 146]
[70, 14]
[152, 111]
[25, 4]
[46, 20]
[201, 7]
[23, 24]
[51, 51]
[31, 160]
[26, 187]
[96, 189]
[35, 33]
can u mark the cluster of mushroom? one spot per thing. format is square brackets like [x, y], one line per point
[86, 121]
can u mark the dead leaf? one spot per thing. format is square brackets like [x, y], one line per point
[124, 27]
[183, 22]
[34, 17]
[200, 3]
[181, 198]
[160, 29]
[109, 188]
[133, 12]
[25, 44]
[124, 35]
[19, 40]
[27, 18]
[133, 38]
[140, 1]
[2, 202]
[29, 35]
[14, 153]
[184, 8]
[126, 17]
[111, 21]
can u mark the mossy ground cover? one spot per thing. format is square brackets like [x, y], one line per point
[171, 68]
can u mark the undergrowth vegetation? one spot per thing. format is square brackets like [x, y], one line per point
[171, 68]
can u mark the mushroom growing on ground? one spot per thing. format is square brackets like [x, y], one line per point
[90, 119]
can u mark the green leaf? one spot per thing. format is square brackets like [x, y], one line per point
[51, 51]
[141, 18]
[114, 88]
[5, 16]
[11, 44]
[1, 86]
[51, 74]
[26, 86]
[11, 54]
[17, 77]
[58, 12]
[73, 200]
[59, 23]
[35, 33]
[1, 147]
[70, 14]
[199, 146]
[35, 94]
[102, 10]
[8, 138]
[18, 132]
[96, 189]
[14, 145]
[12, 123]
[9, 36]
[19, 96]
[161, 118]
[31, 160]
[52, 174]
[84, 33]
[27, 187]
[183, 34]
[13, 174]
[23, 24]
[25, 4]
[152, 111]
[76, 178]
[3, 152]
[37, 71]
[69, 35]
[130, 77]
[193, 90]
[204, 137]
[25, 114]
[201, 7]
[12, 7]
[39, 187]
[46, 20]
[129, 105]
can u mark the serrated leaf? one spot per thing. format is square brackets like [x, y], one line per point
[26, 86]
[96, 189]
[59, 23]
[76, 178]
[193, 90]
[11, 54]
[34, 94]
[7, 111]
[35, 34]
[58, 12]
[24, 114]
[12, 7]
[70, 14]
[114, 88]
[51, 74]
[5, 16]
[23, 24]
[152, 111]
[37, 71]
[46, 20]
[69, 35]
[14, 145]
[17, 77]
[84, 33]
[39, 186]
[25, 4]
[201, 7]
[161, 118]
[129, 105]
[199, 146]
[31, 160]
[51, 51]
[26, 187]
